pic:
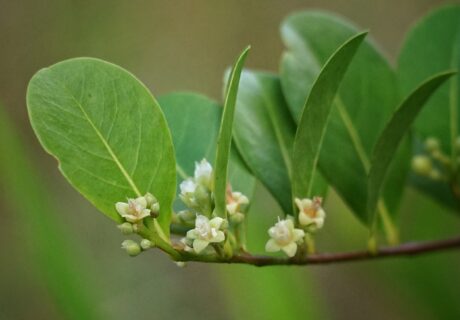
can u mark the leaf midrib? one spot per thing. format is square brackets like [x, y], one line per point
[104, 142]
[278, 135]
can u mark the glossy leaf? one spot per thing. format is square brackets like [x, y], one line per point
[264, 133]
[107, 132]
[393, 134]
[433, 45]
[185, 114]
[365, 101]
[225, 136]
[315, 116]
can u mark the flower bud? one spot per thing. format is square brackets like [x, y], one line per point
[131, 247]
[150, 199]
[180, 264]
[146, 244]
[155, 210]
[432, 144]
[237, 218]
[126, 228]
[422, 165]
[186, 216]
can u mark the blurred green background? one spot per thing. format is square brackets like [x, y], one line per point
[60, 259]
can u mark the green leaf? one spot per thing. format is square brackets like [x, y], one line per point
[107, 132]
[393, 134]
[264, 133]
[225, 136]
[184, 113]
[433, 45]
[45, 238]
[315, 115]
[365, 101]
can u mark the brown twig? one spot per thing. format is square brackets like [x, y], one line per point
[406, 249]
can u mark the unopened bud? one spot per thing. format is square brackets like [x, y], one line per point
[155, 210]
[435, 175]
[126, 228]
[180, 264]
[146, 244]
[237, 218]
[422, 165]
[150, 199]
[432, 144]
[131, 247]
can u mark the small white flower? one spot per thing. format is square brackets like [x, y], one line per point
[206, 231]
[234, 202]
[134, 210]
[203, 173]
[284, 237]
[311, 214]
[187, 187]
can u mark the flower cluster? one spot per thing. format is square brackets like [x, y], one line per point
[197, 194]
[434, 163]
[284, 236]
[134, 211]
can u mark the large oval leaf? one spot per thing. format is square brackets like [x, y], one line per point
[107, 132]
[185, 113]
[365, 101]
[433, 45]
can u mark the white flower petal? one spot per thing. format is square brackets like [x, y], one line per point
[192, 234]
[141, 201]
[131, 218]
[219, 237]
[232, 208]
[298, 234]
[187, 186]
[290, 249]
[199, 245]
[216, 222]
[271, 246]
[122, 208]
[203, 169]
[305, 219]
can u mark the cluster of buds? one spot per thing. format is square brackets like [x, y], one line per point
[133, 248]
[286, 237]
[434, 163]
[196, 192]
[134, 211]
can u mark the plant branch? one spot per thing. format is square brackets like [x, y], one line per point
[406, 249]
